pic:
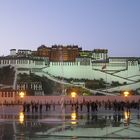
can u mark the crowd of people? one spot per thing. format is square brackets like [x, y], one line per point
[89, 106]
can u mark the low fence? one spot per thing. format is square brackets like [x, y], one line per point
[59, 99]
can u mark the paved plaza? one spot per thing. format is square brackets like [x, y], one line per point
[68, 124]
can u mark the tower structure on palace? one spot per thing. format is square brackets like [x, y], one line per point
[58, 52]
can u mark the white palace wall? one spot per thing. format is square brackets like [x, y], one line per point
[77, 71]
[74, 70]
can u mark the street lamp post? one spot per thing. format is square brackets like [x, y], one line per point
[127, 104]
[126, 94]
[73, 95]
[21, 95]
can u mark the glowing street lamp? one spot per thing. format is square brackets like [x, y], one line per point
[73, 94]
[126, 94]
[21, 94]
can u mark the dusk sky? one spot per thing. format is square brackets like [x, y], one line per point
[90, 24]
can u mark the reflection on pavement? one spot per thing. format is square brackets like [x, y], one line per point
[21, 117]
[77, 125]
[73, 118]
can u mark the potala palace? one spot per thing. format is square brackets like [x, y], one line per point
[73, 62]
